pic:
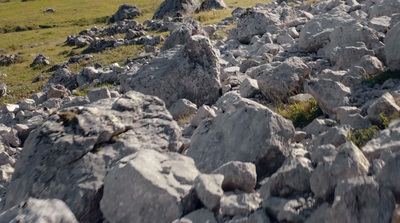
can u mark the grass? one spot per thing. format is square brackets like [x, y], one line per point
[302, 113]
[381, 78]
[83, 92]
[24, 23]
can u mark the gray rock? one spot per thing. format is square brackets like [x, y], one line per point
[240, 204]
[12, 139]
[255, 22]
[249, 88]
[132, 34]
[329, 94]
[96, 94]
[3, 90]
[356, 121]
[386, 105]
[242, 124]
[246, 64]
[181, 35]
[349, 162]
[57, 91]
[238, 175]
[391, 46]
[209, 189]
[202, 113]
[36, 210]
[284, 80]
[27, 104]
[82, 41]
[40, 60]
[300, 98]
[345, 57]
[198, 216]
[380, 24]
[171, 7]
[292, 178]
[146, 178]
[182, 108]
[259, 216]
[126, 12]
[184, 73]
[336, 136]
[282, 209]
[389, 175]
[87, 75]
[68, 156]
[208, 5]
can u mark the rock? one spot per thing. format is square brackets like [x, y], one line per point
[10, 108]
[146, 178]
[125, 12]
[27, 104]
[246, 64]
[358, 199]
[3, 90]
[249, 88]
[282, 209]
[49, 10]
[82, 41]
[96, 94]
[316, 32]
[36, 210]
[349, 162]
[208, 5]
[87, 75]
[198, 216]
[132, 34]
[240, 204]
[238, 175]
[292, 178]
[391, 46]
[57, 91]
[209, 190]
[344, 57]
[380, 24]
[181, 35]
[356, 121]
[329, 94]
[80, 58]
[389, 176]
[255, 22]
[40, 60]
[242, 124]
[259, 216]
[202, 113]
[386, 140]
[171, 7]
[10, 59]
[182, 108]
[11, 138]
[336, 136]
[186, 73]
[371, 65]
[385, 105]
[284, 80]
[300, 98]
[68, 155]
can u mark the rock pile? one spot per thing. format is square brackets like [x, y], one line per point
[189, 132]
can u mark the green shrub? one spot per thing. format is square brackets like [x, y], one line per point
[301, 114]
[360, 137]
[381, 78]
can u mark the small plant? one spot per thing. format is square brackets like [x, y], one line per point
[83, 92]
[360, 137]
[381, 78]
[302, 113]
[68, 118]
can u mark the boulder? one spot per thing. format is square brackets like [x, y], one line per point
[87, 75]
[244, 131]
[36, 210]
[202, 113]
[385, 105]
[82, 41]
[181, 35]
[255, 22]
[209, 189]
[182, 109]
[249, 88]
[27, 104]
[68, 155]
[380, 24]
[284, 80]
[372, 65]
[125, 12]
[208, 5]
[392, 48]
[3, 90]
[292, 178]
[96, 94]
[190, 72]
[329, 94]
[346, 56]
[171, 7]
[389, 175]
[64, 77]
[349, 162]
[199, 216]
[40, 60]
[238, 175]
[240, 204]
[149, 186]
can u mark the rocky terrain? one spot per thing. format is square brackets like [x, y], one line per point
[189, 132]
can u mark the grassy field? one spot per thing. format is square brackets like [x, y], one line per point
[23, 23]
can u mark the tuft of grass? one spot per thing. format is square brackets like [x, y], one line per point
[301, 114]
[68, 118]
[360, 137]
[381, 78]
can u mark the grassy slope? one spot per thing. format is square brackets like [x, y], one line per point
[71, 17]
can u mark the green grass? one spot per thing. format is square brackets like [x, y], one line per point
[301, 114]
[381, 78]
[71, 17]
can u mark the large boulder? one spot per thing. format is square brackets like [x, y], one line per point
[244, 131]
[392, 48]
[255, 22]
[68, 156]
[190, 72]
[315, 34]
[171, 7]
[208, 5]
[181, 34]
[389, 176]
[329, 94]
[284, 80]
[64, 77]
[149, 186]
[126, 12]
[35, 210]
